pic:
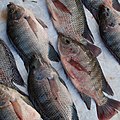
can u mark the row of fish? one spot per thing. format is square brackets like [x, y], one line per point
[46, 89]
[78, 54]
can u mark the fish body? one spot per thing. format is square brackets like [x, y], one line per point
[28, 36]
[14, 106]
[109, 25]
[48, 94]
[69, 18]
[86, 75]
[93, 6]
[9, 73]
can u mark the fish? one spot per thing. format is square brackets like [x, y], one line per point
[86, 75]
[93, 6]
[28, 35]
[109, 26]
[9, 73]
[14, 106]
[69, 18]
[48, 92]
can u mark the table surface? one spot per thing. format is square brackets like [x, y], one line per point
[108, 64]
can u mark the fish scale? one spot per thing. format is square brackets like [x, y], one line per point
[110, 29]
[74, 24]
[93, 6]
[51, 98]
[26, 33]
[87, 76]
[8, 68]
[11, 101]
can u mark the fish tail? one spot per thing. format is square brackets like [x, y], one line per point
[108, 110]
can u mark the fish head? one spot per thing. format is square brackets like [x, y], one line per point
[15, 12]
[105, 13]
[67, 46]
[36, 62]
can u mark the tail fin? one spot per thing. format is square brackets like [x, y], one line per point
[108, 110]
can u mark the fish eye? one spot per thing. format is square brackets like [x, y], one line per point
[67, 42]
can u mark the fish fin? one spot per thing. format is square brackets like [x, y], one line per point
[26, 64]
[106, 87]
[78, 66]
[53, 55]
[54, 87]
[116, 5]
[32, 24]
[108, 110]
[61, 6]
[74, 113]
[17, 108]
[61, 80]
[53, 13]
[87, 33]
[42, 23]
[15, 71]
[94, 49]
[19, 79]
[86, 99]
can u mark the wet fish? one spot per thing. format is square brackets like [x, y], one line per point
[86, 75]
[48, 92]
[9, 73]
[93, 6]
[14, 106]
[109, 25]
[28, 36]
[69, 18]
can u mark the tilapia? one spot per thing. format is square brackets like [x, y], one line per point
[93, 6]
[28, 36]
[86, 75]
[109, 25]
[9, 73]
[69, 18]
[48, 92]
[14, 106]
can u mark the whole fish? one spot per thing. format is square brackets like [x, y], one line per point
[86, 75]
[9, 73]
[14, 106]
[28, 36]
[93, 6]
[48, 92]
[109, 25]
[69, 18]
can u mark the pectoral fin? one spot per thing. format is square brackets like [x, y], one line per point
[54, 87]
[53, 55]
[94, 49]
[41, 23]
[78, 66]
[61, 6]
[32, 24]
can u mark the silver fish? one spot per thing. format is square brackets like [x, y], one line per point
[86, 75]
[14, 106]
[9, 73]
[28, 36]
[48, 92]
[69, 18]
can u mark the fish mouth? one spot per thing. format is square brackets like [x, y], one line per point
[11, 4]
